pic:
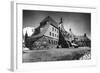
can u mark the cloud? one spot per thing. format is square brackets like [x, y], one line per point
[29, 30]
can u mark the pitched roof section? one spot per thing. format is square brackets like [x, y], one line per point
[50, 20]
[40, 34]
[45, 28]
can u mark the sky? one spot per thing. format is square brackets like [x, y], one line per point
[79, 23]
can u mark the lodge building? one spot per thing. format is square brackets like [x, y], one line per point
[47, 34]
[50, 34]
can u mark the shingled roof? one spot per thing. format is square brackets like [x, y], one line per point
[41, 33]
[50, 20]
[45, 28]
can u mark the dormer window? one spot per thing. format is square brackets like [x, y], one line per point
[52, 28]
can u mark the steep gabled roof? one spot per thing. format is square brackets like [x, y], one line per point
[41, 33]
[50, 20]
[38, 33]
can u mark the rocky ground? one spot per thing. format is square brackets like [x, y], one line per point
[82, 53]
[86, 56]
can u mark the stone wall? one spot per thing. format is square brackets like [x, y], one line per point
[45, 43]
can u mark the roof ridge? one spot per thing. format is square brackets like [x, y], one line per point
[49, 18]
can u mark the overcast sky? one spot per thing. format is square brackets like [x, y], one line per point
[80, 23]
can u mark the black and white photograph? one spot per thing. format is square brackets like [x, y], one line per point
[55, 36]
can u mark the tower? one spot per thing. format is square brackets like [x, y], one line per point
[61, 27]
[60, 24]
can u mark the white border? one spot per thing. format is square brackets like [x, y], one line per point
[17, 37]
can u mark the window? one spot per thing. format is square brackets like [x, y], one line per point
[55, 29]
[52, 41]
[52, 28]
[56, 42]
[50, 33]
[49, 41]
[55, 35]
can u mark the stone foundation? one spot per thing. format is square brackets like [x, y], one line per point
[45, 43]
